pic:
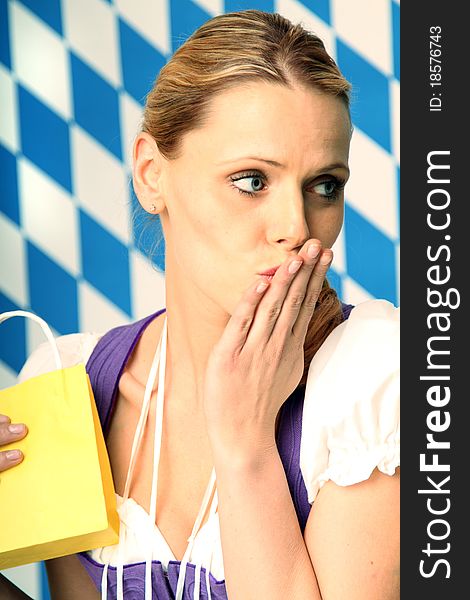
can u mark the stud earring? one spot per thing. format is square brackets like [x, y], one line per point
[152, 208]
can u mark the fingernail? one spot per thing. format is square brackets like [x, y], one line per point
[294, 266]
[18, 428]
[13, 454]
[313, 250]
[326, 259]
[262, 285]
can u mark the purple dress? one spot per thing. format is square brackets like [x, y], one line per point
[104, 367]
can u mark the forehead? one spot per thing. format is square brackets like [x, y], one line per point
[297, 125]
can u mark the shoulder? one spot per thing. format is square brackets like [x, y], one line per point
[74, 348]
[369, 336]
[369, 321]
[350, 420]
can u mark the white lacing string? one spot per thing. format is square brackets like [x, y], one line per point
[197, 581]
[197, 573]
[130, 471]
[156, 458]
[182, 573]
[159, 362]
[104, 583]
[213, 510]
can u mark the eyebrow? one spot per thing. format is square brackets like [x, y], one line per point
[274, 163]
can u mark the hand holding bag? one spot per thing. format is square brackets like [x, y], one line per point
[60, 500]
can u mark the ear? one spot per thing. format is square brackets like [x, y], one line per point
[147, 169]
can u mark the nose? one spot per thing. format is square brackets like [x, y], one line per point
[288, 223]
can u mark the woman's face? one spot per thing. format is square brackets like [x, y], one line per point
[262, 176]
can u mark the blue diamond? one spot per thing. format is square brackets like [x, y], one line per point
[370, 106]
[96, 106]
[45, 138]
[9, 186]
[320, 8]
[185, 18]
[370, 256]
[238, 5]
[48, 10]
[396, 38]
[5, 56]
[141, 63]
[12, 336]
[53, 291]
[105, 262]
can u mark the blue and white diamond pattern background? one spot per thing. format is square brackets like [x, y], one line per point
[73, 77]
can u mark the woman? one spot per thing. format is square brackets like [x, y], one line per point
[243, 154]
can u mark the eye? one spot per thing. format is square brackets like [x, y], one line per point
[330, 189]
[252, 183]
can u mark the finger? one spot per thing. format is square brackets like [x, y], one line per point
[314, 288]
[297, 292]
[10, 458]
[12, 432]
[271, 304]
[235, 333]
[4, 419]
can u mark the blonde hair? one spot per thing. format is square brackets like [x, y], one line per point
[227, 51]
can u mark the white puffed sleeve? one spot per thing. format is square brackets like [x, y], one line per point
[351, 418]
[74, 348]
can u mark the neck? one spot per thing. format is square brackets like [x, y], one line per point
[195, 324]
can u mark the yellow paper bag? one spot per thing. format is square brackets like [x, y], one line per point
[60, 499]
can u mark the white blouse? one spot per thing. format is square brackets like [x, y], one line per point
[350, 422]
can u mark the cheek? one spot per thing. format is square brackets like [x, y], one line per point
[326, 224]
[336, 227]
[201, 235]
[191, 217]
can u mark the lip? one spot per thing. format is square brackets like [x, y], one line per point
[270, 272]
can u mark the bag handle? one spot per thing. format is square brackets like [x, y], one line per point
[44, 326]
